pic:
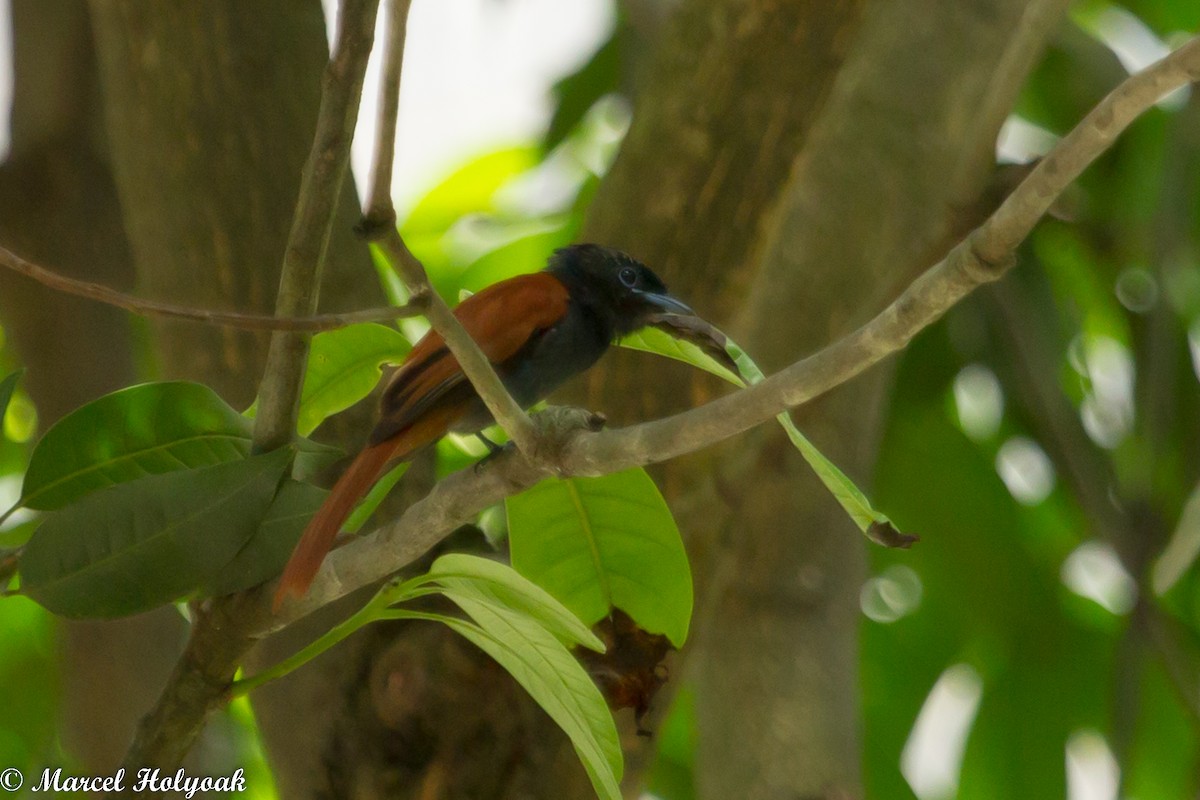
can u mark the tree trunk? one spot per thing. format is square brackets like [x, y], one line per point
[905, 145]
[58, 207]
[874, 192]
[211, 111]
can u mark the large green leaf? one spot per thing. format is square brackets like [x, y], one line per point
[137, 545]
[744, 371]
[519, 625]
[522, 255]
[469, 189]
[343, 367]
[144, 430]
[554, 679]
[596, 543]
[477, 579]
[264, 555]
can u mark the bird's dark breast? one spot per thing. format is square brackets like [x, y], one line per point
[551, 357]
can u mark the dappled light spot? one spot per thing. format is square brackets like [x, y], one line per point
[1094, 571]
[894, 594]
[932, 756]
[1092, 771]
[1107, 409]
[1137, 289]
[979, 400]
[1025, 469]
[1021, 141]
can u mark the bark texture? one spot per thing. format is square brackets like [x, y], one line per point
[874, 191]
[58, 207]
[211, 109]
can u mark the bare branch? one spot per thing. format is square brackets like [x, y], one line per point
[229, 319]
[379, 198]
[320, 188]
[379, 225]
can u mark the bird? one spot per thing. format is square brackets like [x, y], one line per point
[537, 330]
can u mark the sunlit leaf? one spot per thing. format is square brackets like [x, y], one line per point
[596, 543]
[524, 255]
[137, 545]
[555, 680]
[7, 387]
[873, 523]
[486, 581]
[344, 365]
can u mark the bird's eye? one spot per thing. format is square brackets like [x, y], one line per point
[628, 276]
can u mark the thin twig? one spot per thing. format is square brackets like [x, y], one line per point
[379, 197]
[229, 319]
[379, 226]
[320, 188]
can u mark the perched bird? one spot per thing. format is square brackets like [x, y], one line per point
[537, 330]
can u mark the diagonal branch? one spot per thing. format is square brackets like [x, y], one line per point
[320, 188]
[232, 319]
[379, 226]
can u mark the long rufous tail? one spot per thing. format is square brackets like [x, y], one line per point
[323, 528]
[362, 473]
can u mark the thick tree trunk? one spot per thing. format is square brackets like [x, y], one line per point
[904, 145]
[58, 207]
[873, 192]
[211, 110]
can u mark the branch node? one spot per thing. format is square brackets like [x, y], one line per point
[376, 223]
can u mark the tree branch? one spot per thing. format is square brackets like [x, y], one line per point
[379, 226]
[320, 188]
[230, 319]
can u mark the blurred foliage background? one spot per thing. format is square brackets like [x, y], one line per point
[1043, 638]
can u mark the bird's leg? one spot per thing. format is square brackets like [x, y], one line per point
[493, 450]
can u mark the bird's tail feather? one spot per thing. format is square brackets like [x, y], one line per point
[323, 528]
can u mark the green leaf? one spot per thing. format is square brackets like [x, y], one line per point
[375, 495]
[344, 365]
[144, 430]
[596, 543]
[554, 679]
[483, 580]
[872, 522]
[468, 190]
[263, 556]
[523, 255]
[578, 92]
[138, 545]
[7, 387]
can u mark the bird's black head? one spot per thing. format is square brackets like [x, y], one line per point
[622, 292]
